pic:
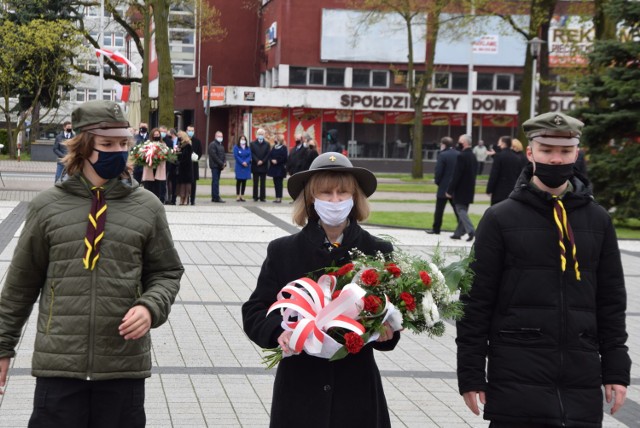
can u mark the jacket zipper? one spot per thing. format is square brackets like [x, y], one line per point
[92, 324]
[563, 333]
[52, 295]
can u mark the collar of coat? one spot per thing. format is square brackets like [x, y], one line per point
[115, 188]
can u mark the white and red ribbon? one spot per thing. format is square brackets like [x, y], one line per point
[309, 312]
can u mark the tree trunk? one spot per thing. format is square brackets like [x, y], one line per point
[166, 85]
[145, 105]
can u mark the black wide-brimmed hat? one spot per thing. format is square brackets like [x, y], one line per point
[333, 162]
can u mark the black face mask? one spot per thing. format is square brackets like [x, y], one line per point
[68, 130]
[143, 130]
[553, 176]
[459, 147]
[156, 138]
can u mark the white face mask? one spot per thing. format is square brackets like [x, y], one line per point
[243, 143]
[333, 213]
[219, 139]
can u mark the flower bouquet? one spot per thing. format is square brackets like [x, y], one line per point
[348, 306]
[151, 154]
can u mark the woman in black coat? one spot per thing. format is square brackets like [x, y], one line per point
[330, 199]
[277, 167]
[184, 170]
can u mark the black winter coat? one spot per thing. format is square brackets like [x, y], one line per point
[463, 183]
[297, 159]
[279, 154]
[505, 171]
[551, 341]
[308, 391]
[445, 166]
[217, 156]
[259, 152]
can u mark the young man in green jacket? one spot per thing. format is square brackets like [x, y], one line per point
[97, 250]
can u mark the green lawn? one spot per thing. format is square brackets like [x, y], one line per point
[416, 220]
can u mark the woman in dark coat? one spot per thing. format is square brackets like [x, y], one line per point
[185, 168]
[277, 167]
[310, 391]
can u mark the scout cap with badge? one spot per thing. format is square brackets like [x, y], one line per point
[334, 162]
[554, 129]
[100, 117]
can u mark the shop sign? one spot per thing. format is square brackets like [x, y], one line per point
[217, 93]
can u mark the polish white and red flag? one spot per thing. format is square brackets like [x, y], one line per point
[115, 56]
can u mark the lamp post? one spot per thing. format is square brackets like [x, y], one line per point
[535, 45]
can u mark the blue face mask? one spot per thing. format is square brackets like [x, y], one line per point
[110, 164]
[260, 138]
[190, 134]
[163, 134]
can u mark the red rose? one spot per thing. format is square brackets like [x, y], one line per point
[344, 269]
[426, 279]
[353, 342]
[393, 269]
[372, 303]
[370, 277]
[409, 301]
[335, 294]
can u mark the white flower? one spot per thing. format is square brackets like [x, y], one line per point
[431, 313]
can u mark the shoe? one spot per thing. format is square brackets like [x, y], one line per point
[433, 232]
[263, 200]
[219, 201]
[193, 203]
[277, 202]
[455, 237]
[470, 238]
[255, 199]
[243, 199]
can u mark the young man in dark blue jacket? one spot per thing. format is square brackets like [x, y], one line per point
[547, 307]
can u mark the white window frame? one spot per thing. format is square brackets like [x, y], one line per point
[371, 73]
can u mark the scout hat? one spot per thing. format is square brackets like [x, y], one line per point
[101, 118]
[334, 162]
[554, 129]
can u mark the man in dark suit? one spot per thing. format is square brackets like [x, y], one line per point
[259, 155]
[297, 156]
[60, 149]
[505, 171]
[463, 187]
[217, 162]
[444, 173]
[140, 137]
[196, 145]
[171, 140]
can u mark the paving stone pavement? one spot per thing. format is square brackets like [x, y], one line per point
[208, 374]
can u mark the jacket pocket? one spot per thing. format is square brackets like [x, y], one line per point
[520, 335]
[52, 296]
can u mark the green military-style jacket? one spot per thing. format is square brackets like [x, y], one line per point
[80, 310]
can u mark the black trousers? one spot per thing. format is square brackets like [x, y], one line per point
[262, 178]
[441, 203]
[74, 403]
[241, 185]
[277, 184]
[194, 182]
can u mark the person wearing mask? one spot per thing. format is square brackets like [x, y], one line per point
[60, 149]
[330, 200]
[505, 171]
[172, 168]
[242, 156]
[260, 149]
[196, 145]
[445, 165]
[140, 138]
[312, 154]
[100, 282]
[462, 188]
[184, 168]
[543, 332]
[277, 166]
[217, 162]
[298, 156]
[155, 179]
[333, 144]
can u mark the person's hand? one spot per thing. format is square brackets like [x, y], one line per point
[136, 323]
[260, 162]
[386, 334]
[448, 195]
[619, 395]
[244, 164]
[283, 341]
[274, 161]
[4, 369]
[471, 400]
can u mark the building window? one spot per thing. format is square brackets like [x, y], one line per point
[459, 81]
[517, 82]
[297, 75]
[92, 94]
[485, 82]
[504, 82]
[80, 95]
[107, 95]
[335, 77]
[441, 80]
[380, 79]
[361, 78]
[316, 76]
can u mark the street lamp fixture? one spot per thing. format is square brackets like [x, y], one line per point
[535, 45]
